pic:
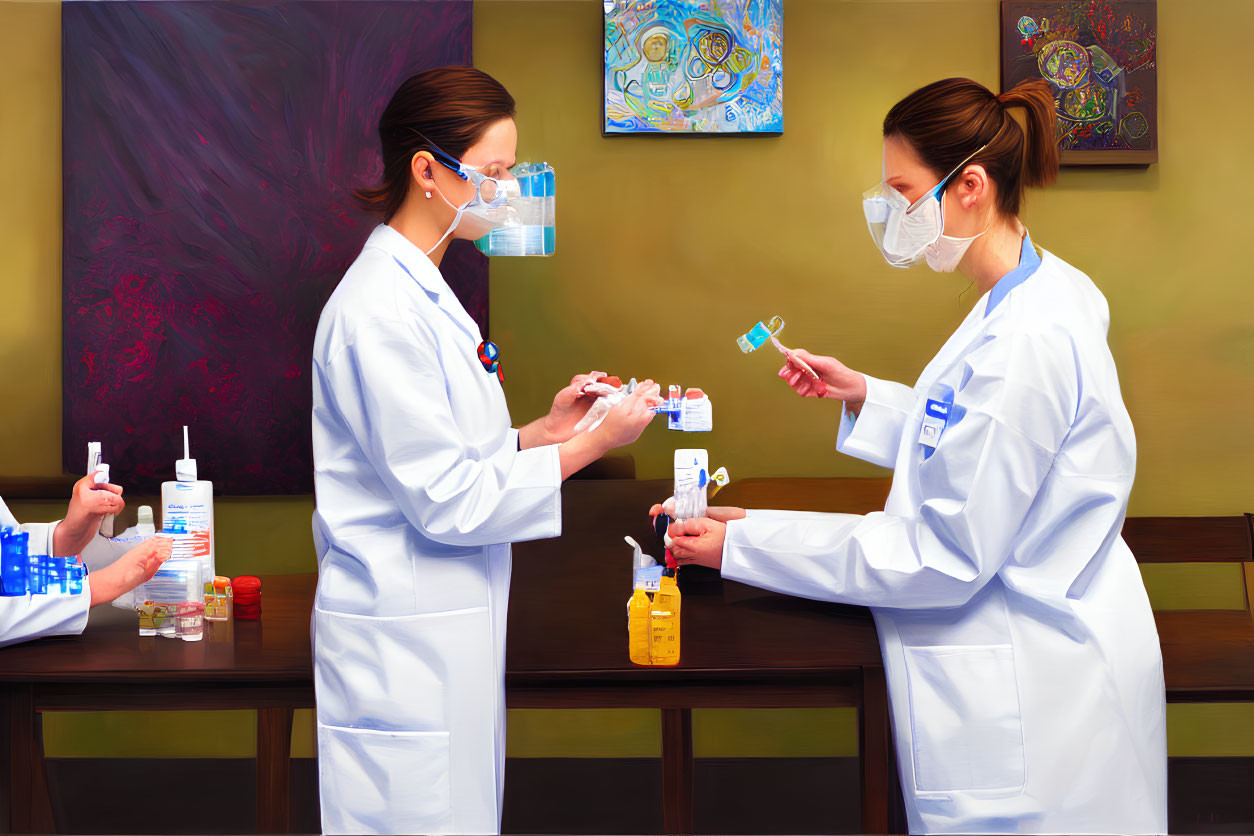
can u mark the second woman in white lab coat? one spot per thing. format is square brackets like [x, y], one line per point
[422, 484]
[27, 617]
[1021, 655]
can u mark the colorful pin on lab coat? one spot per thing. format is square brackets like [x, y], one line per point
[489, 356]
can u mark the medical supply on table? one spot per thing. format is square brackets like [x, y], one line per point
[175, 581]
[37, 574]
[247, 597]
[217, 599]
[170, 604]
[758, 334]
[144, 525]
[187, 509]
[110, 550]
[528, 216]
[691, 477]
[646, 578]
[189, 619]
[99, 471]
[664, 619]
[691, 414]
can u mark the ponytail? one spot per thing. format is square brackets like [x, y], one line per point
[946, 121]
[1039, 127]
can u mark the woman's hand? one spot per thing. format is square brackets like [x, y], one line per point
[571, 404]
[621, 425]
[625, 421]
[89, 504]
[130, 570]
[719, 513]
[836, 380]
[698, 541]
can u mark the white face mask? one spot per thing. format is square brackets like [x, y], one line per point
[946, 252]
[906, 232]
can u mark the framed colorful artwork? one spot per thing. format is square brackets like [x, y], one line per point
[1100, 58]
[695, 67]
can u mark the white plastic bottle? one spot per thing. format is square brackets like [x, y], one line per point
[692, 474]
[187, 504]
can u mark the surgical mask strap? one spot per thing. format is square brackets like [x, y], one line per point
[938, 190]
[456, 219]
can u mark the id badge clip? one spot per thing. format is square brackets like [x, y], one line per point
[936, 416]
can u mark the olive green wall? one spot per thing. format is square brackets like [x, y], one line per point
[668, 248]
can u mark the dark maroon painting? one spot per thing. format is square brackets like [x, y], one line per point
[210, 153]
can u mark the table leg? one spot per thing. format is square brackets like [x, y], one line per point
[875, 738]
[29, 808]
[274, 770]
[677, 770]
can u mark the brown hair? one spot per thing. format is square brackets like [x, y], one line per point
[451, 107]
[948, 120]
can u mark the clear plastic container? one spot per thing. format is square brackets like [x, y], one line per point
[533, 231]
[190, 621]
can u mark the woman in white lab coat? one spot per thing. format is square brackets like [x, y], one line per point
[1022, 658]
[26, 617]
[422, 484]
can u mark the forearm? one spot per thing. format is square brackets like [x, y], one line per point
[73, 534]
[534, 435]
[580, 451]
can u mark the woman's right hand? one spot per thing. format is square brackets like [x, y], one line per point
[130, 570]
[627, 419]
[719, 513]
[836, 380]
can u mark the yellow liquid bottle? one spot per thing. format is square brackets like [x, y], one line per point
[665, 622]
[638, 628]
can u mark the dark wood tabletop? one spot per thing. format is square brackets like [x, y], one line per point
[568, 615]
[275, 648]
[568, 604]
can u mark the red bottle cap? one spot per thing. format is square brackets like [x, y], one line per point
[246, 583]
[670, 561]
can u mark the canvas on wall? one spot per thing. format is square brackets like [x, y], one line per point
[1100, 58]
[693, 67]
[210, 153]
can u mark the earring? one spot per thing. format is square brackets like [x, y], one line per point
[428, 195]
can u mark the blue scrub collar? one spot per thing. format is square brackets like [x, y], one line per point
[1029, 261]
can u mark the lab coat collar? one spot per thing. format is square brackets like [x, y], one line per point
[1029, 261]
[423, 271]
[411, 259]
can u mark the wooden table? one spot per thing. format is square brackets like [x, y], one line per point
[741, 647]
[263, 665]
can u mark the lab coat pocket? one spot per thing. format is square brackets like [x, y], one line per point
[965, 722]
[384, 781]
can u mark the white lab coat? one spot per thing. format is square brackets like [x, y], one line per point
[26, 617]
[1023, 663]
[420, 490]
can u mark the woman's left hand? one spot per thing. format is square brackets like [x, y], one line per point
[698, 541]
[571, 404]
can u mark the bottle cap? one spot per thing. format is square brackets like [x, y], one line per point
[185, 468]
[671, 563]
[144, 516]
[102, 474]
[246, 583]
